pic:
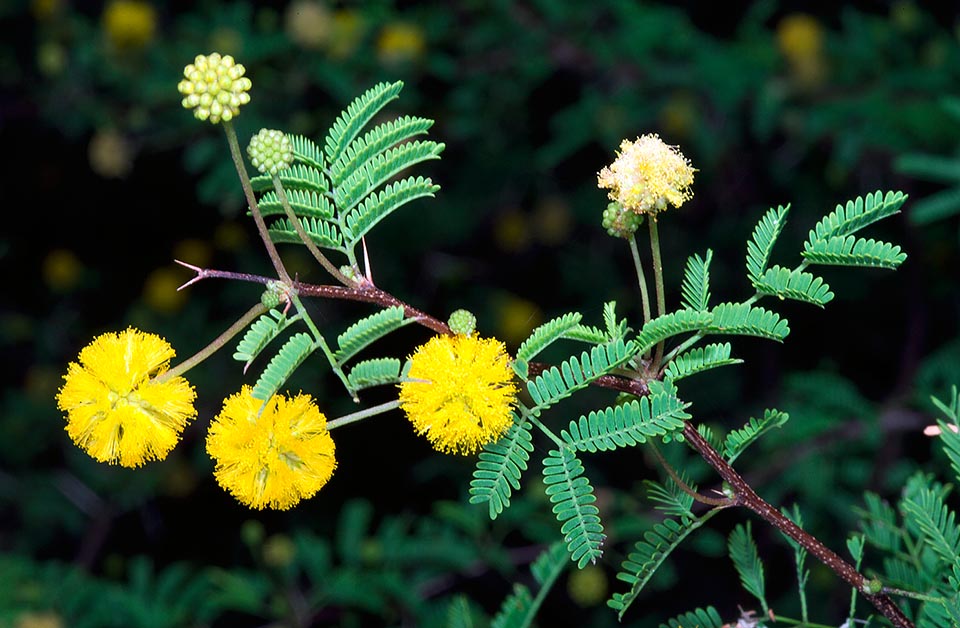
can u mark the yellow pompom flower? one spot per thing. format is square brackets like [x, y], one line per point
[215, 87]
[648, 175]
[115, 411]
[275, 459]
[459, 392]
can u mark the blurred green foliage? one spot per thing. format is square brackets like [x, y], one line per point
[531, 99]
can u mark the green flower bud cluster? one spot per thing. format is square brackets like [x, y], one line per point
[462, 322]
[275, 294]
[619, 221]
[214, 86]
[270, 151]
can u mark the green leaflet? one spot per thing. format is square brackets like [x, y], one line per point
[573, 499]
[322, 233]
[745, 320]
[649, 554]
[672, 324]
[380, 168]
[519, 609]
[306, 151]
[368, 330]
[793, 284]
[671, 499]
[379, 205]
[765, 235]
[546, 334]
[297, 176]
[738, 440]
[260, 333]
[357, 115]
[699, 360]
[380, 138]
[304, 203]
[743, 553]
[499, 468]
[555, 384]
[375, 372]
[857, 214]
[283, 364]
[695, 289]
[627, 424]
[853, 251]
[697, 618]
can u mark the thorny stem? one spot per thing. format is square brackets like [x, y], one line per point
[298, 227]
[747, 497]
[362, 414]
[658, 281]
[214, 346]
[638, 264]
[722, 502]
[252, 203]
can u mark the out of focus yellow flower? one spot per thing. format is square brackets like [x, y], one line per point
[51, 58]
[905, 14]
[308, 23]
[39, 619]
[160, 290]
[279, 551]
[129, 24]
[61, 270]
[679, 114]
[400, 43]
[516, 318]
[193, 251]
[110, 154]
[552, 220]
[230, 236]
[46, 9]
[800, 39]
[511, 231]
[346, 31]
[588, 586]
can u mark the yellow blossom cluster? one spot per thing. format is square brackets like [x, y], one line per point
[215, 87]
[647, 176]
[459, 392]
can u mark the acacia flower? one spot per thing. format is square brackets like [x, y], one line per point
[647, 175]
[115, 411]
[214, 86]
[275, 459]
[270, 151]
[459, 392]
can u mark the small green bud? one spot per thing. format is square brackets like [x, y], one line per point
[872, 587]
[620, 222]
[270, 151]
[462, 322]
[274, 295]
[251, 532]
[215, 87]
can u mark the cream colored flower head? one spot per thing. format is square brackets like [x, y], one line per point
[215, 87]
[647, 176]
[117, 411]
[460, 392]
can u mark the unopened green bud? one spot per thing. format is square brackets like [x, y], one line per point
[462, 322]
[215, 87]
[270, 151]
[619, 221]
[274, 295]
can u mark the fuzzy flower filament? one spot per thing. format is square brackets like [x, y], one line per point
[115, 411]
[275, 459]
[215, 87]
[647, 176]
[460, 392]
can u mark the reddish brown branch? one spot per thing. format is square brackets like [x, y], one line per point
[747, 497]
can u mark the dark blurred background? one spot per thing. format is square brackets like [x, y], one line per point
[107, 180]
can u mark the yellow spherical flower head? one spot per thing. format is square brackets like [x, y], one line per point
[459, 392]
[115, 411]
[214, 86]
[647, 176]
[275, 459]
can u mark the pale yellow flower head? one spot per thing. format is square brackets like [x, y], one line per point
[115, 411]
[271, 459]
[647, 176]
[459, 392]
[215, 87]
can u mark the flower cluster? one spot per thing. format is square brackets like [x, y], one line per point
[270, 151]
[214, 86]
[117, 410]
[459, 392]
[647, 176]
[271, 454]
